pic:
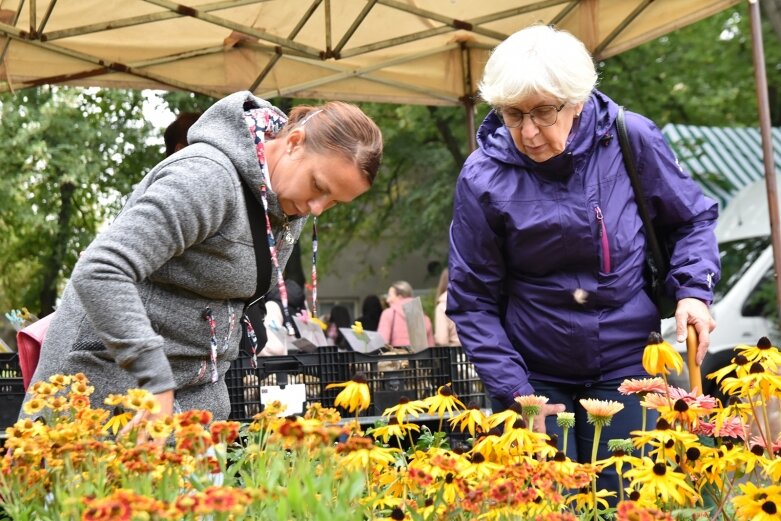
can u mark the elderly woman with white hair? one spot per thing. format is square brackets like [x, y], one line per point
[547, 248]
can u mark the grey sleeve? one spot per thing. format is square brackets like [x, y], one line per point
[187, 202]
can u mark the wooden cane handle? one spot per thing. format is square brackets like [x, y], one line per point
[695, 376]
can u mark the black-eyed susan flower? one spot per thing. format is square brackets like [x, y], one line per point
[479, 468]
[659, 357]
[355, 396]
[393, 428]
[757, 381]
[660, 480]
[116, 422]
[359, 453]
[404, 408]
[444, 401]
[758, 503]
[471, 420]
[764, 352]
[505, 418]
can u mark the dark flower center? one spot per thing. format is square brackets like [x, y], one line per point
[769, 507]
[740, 360]
[520, 423]
[397, 514]
[359, 378]
[756, 368]
[445, 390]
[655, 338]
[681, 405]
[757, 450]
[403, 400]
[692, 453]
[477, 458]
[764, 343]
[660, 469]
[662, 424]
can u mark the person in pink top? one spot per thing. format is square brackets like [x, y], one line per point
[393, 323]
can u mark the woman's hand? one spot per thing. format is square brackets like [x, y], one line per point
[546, 410]
[166, 401]
[695, 312]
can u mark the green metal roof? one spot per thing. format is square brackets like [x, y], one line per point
[722, 159]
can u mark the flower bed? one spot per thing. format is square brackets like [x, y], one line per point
[701, 460]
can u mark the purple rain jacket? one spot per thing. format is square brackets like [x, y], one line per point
[547, 259]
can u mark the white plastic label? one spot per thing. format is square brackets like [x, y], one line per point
[293, 395]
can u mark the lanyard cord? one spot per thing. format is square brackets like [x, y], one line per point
[259, 133]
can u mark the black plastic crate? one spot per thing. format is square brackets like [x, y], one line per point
[389, 377]
[11, 389]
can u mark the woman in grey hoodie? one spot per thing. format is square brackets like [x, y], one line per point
[155, 301]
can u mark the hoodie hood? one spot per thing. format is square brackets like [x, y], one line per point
[223, 126]
[595, 122]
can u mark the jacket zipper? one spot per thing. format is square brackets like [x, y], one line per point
[603, 239]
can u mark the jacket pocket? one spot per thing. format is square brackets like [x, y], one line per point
[603, 239]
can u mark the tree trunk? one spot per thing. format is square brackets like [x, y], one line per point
[54, 265]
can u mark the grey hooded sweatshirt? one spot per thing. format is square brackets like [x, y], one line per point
[133, 313]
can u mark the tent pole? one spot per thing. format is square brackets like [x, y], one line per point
[767, 142]
[471, 139]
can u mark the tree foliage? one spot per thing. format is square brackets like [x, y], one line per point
[70, 158]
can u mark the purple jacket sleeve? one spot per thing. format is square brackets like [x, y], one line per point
[685, 216]
[477, 271]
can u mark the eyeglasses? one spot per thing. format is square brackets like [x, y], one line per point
[542, 116]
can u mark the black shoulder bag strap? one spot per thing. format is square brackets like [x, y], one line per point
[642, 207]
[657, 261]
[255, 311]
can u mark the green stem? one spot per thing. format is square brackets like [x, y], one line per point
[768, 430]
[643, 427]
[594, 448]
[565, 434]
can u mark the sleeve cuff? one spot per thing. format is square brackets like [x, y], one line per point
[152, 370]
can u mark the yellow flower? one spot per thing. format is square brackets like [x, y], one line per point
[393, 428]
[161, 428]
[357, 328]
[659, 356]
[405, 407]
[471, 420]
[34, 405]
[757, 503]
[355, 396]
[319, 322]
[117, 421]
[443, 401]
[660, 480]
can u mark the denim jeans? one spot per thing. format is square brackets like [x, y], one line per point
[581, 436]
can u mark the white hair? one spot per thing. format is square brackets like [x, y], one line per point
[538, 60]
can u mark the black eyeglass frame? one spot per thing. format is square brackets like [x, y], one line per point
[558, 109]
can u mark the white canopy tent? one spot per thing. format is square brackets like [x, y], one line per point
[398, 51]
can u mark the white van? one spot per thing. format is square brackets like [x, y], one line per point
[744, 305]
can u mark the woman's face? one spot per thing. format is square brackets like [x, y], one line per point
[542, 143]
[391, 295]
[309, 183]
